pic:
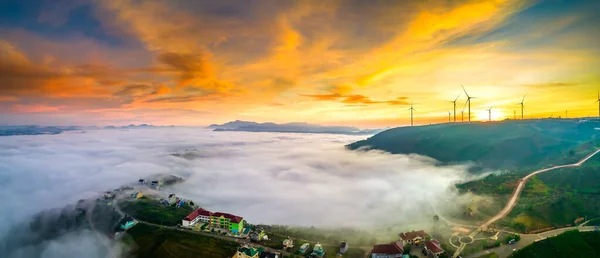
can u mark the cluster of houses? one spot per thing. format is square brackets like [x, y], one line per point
[431, 247]
[218, 220]
[251, 252]
[173, 200]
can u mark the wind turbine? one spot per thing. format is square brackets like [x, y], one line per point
[469, 101]
[449, 115]
[411, 113]
[522, 106]
[462, 116]
[598, 100]
[490, 113]
[454, 102]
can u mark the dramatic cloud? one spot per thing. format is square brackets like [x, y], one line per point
[240, 58]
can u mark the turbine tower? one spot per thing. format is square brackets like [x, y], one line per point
[449, 116]
[490, 113]
[454, 103]
[462, 116]
[598, 100]
[411, 113]
[522, 106]
[469, 101]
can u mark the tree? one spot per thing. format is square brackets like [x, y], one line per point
[407, 248]
[571, 152]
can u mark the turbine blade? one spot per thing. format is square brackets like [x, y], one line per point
[523, 100]
[459, 97]
[468, 93]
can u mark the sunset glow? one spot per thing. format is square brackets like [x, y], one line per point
[355, 63]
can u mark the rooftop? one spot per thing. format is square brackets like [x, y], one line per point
[413, 234]
[433, 246]
[391, 248]
[233, 218]
[249, 251]
[197, 213]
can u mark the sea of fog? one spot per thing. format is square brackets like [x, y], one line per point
[271, 178]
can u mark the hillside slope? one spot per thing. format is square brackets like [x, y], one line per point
[570, 244]
[510, 145]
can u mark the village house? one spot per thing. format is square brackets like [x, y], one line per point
[391, 250]
[259, 236]
[288, 243]
[172, 199]
[413, 237]
[198, 216]
[126, 223]
[247, 252]
[433, 248]
[265, 254]
[343, 247]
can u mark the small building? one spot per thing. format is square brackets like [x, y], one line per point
[433, 248]
[126, 223]
[288, 243]
[172, 199]
[391, 250]
[266, 254]
[198, 216]
[137, 195]
[247, 252]
[413, 237]
[141, 181]
[343, 247]
[304, 247]
[259, 236]
[318, 251]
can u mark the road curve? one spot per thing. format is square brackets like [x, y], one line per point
[512, 201]
[517, 192]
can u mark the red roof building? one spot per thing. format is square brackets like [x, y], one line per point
[413, 237]
[433, 247]
[231, 217]
[390, 250]
[197, 213]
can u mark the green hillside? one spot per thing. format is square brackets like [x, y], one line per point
[510, 145]
[571, 244]
[152, 241]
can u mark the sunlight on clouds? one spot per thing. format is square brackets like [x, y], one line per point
[239, 59]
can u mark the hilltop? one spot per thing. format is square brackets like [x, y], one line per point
[247, 126]
[506, 145]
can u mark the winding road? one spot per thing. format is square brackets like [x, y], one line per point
[515, 197]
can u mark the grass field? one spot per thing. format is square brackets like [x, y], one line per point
[152, 211]
[571, 244]
[153, 241]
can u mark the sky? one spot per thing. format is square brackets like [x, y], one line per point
[359, 63]
[315, 181]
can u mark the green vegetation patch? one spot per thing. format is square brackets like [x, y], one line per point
[509, 145]
[150, 210]
[153, 241]
[571, 244]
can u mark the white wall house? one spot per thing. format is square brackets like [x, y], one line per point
[198, 216]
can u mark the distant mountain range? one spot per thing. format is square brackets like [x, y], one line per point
[40, 130]
[34, 130]
[247, 126]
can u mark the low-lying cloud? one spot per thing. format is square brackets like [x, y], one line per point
[270, 178]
